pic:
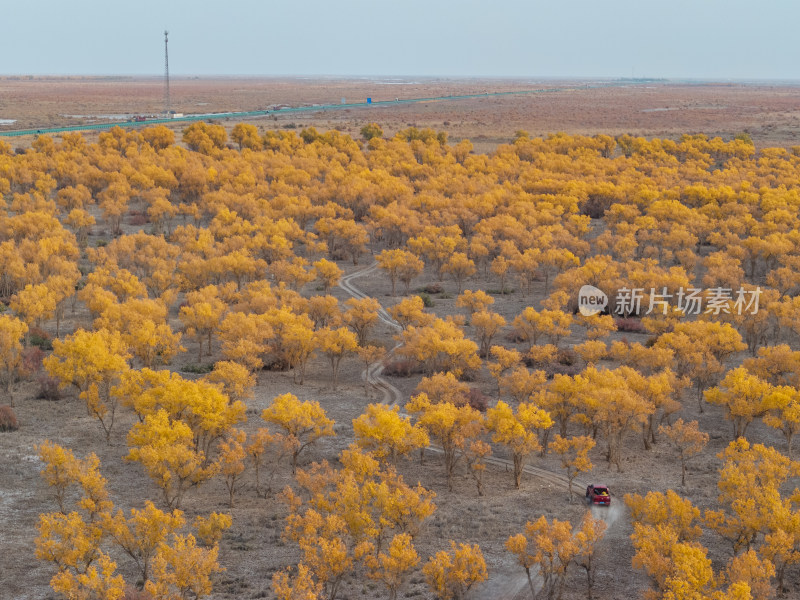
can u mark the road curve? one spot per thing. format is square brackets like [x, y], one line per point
[509, 587]
[391, 395]
[373, 374]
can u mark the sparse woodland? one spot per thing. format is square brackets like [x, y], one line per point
[150, 285]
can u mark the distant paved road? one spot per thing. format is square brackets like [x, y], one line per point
[297, 109]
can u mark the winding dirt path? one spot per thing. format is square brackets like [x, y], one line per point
[373, 373]
[507, 586]
[392, 396]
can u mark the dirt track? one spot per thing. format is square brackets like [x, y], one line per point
[507, 583]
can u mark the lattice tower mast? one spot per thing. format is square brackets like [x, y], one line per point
[166, 73]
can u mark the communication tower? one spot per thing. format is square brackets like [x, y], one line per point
[166, 74]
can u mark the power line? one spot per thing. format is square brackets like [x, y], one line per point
[166, 74]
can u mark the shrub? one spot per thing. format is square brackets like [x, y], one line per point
[133, 593]
[48, 389]
[556, 368]
[630, 325]
[566, 357]
[426, 299]
[595, 207]
[137, 218]
[503, 292]
[541, 356]
[277, 364]
[433, 288]
[400, 368]
[8, 420]
[198, 369]
[478, 400]
[32, 360]
[39, 338]
[338, 254]
[515, 336]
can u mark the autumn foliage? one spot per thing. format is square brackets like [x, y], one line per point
[219, 254]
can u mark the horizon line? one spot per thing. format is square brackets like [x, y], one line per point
[352, 77]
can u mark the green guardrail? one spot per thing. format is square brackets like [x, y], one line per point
[291, 110]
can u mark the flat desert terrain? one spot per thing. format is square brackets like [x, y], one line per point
[254, 549]
[770, 113]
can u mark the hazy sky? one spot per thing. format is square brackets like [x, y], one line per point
[721, 39]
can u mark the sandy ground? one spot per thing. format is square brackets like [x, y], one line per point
[769, 113]
[253, 550]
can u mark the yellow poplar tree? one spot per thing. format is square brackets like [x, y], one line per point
[202, 316]
[182, 569]
[687, 439]
[400, 265]
[382, 431]
[440, 347]
[34, 304]
[371, 357]
[505, 359]
[300, 587]
[303, 422]
[245, 338]
[743, 396]
[166, 449]
[144, 328]
[411, 312]
[546, 548]
[12, 332]
[233, 379]
[486, 325]
[267, 449]
[761, 471]
[783, 412]
[142, 534]
[444, 387]
[450, 575]
[231, 461]
[93, 362]
[336, 344]
[392, 568]
[361, 316]
[574, 453]
[460, 267]
[328, 273]
[518, 431]
[474, 301]
[454, 427]
[587, 538]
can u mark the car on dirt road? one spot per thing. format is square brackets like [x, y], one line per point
[598, 494]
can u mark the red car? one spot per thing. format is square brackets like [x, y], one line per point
[598, 494]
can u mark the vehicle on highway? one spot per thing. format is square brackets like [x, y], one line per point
[598, 494]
